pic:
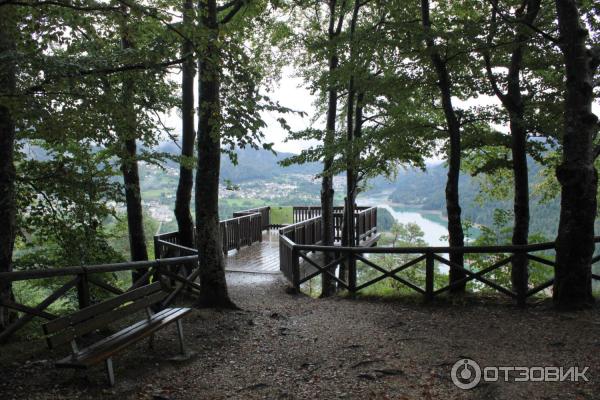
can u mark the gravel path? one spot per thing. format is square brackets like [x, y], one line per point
[283, 346]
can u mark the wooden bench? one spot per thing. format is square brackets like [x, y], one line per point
[70, 328]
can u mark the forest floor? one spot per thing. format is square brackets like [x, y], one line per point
[283, 346]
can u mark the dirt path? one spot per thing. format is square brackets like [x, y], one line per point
[285, 346]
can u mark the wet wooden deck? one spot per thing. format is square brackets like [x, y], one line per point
[263, 257]
[260, 258]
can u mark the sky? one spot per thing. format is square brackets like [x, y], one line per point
[291, 93]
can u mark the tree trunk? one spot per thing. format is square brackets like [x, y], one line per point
[327, 192]
[129, 164]
[519, 272]
[576, 174]
[183, 198]
[7, 144]
[208, 237]
[512, 102]
[348, 231]
[455, 231]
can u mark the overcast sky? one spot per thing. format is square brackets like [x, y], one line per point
[289, 93]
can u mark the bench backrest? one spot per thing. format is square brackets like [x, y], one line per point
[66, 329]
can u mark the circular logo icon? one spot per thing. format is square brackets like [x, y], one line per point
[466, 374]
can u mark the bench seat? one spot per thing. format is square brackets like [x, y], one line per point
[75, 327]
[115, 343]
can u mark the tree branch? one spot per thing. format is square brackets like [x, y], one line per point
[67, 4]
[237, 6]
[487, 59]
[153, 14]
[534, 28]
[108, 71]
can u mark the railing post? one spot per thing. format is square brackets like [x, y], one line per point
[260, 226]
[351, 273]
[521, 281]
[239, 235]
[375, 219]
[429, 271]
[156, 248]
[83, 290]
[224, 236]
[295, 269]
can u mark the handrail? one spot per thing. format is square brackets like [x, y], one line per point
[92, 269]
[435, 249]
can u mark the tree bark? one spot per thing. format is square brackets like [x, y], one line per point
[129, 164]
[183, 198]
[208, 237]
[8, 34]
[455, 231]
[576, 174]
[327, 192]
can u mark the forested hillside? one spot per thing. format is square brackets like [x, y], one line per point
[253, 164]
[425, 189]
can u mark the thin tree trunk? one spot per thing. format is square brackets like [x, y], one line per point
[327, 192]
[7, 144]
[455, 231]
[348, 232]
[208, 237]
[512, 101]
[576, 174]
[183, 198]
[129, 164]
[350, 125]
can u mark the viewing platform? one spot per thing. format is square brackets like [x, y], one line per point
[252, 244]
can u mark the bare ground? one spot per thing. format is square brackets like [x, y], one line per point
[283, 346]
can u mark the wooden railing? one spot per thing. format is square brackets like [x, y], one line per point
[241, 231]
[172, 273]
[244, 229]
[365, 219]
[365, 223]
[424, 258]
[265, 213]
[305, 232]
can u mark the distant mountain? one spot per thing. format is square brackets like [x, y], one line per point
[253, 164]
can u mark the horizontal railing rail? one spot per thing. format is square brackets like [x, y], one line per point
[265, 213]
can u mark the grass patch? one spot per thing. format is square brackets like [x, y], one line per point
[281, 215]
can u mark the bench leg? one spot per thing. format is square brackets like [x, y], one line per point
[151, 342]
[110, 372]
[180, 334]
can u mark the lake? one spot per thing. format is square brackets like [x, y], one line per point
[431, 222]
